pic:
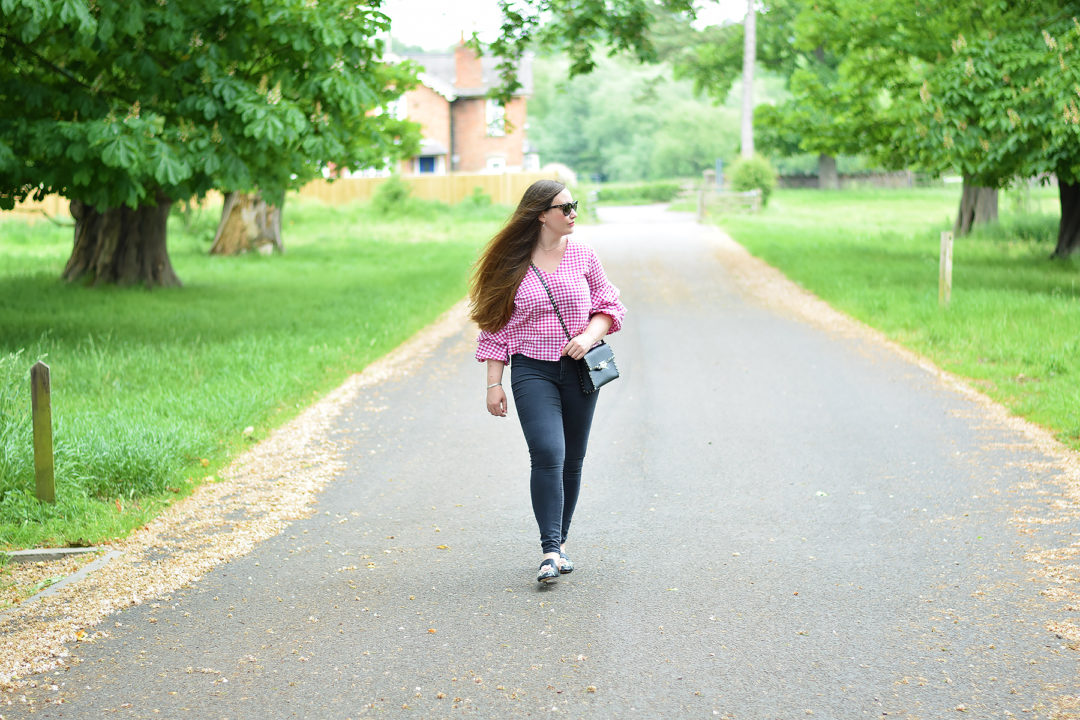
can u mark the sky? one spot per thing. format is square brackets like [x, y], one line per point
[438, 24]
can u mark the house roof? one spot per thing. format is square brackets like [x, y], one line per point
[432, 147]
[441, 68]
[438, 85]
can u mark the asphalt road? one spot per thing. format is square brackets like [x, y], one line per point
[776, 522]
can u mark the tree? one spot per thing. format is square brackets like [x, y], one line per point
[247, 223]
[980, 87]
[625, 121]
[1060, 92]
[848, 64]
[578, 28]
[885, 50]
[126, 107]
[896, 81]
[715, 58]
[1007, 101]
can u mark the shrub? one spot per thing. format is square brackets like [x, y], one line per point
[478, 199]
[753, 173]
[392, 196]
[643, 192]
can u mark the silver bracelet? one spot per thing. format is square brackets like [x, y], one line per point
[498, 384]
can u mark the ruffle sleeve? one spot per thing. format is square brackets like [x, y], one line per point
[496, 345]
[492, 346]
[605, 296]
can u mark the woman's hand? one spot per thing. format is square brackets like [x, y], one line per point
[598, 327]
[496, 401]
[578, 346]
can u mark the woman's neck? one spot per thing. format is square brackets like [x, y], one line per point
[549, 242]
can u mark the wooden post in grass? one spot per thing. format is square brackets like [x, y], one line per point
[41, 408]
[708, 184]
[945, 270]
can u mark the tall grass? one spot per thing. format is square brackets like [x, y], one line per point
[1012, 324]
[152, 390]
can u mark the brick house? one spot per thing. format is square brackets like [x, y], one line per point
[463, 130]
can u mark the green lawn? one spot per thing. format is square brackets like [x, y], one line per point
[1012, 324]
[149, 384]
[152, 389]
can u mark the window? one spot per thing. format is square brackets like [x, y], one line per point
[495, 117]
[426, 164]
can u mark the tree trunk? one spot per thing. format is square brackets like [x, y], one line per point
[978, 206]
[1069, 229]
[247, 223]
[121, 246]
[749, 59]
[828, 179]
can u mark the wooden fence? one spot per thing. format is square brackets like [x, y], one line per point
[504, 189]
[51, 206]
[712, 200]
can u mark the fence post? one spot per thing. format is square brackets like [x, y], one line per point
[41, 409]
[945, 270]
[708, 180]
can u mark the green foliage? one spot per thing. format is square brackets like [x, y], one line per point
[987, 88]
[774, 132]
[826, 113]
[122, 103]
[753, 173]
[659, 191]
[982, 88]
[392, 196]
[874, 255]
[1003, 102]
[578, 28]
[626, 123]
[713, 57]
[145, 384]
[393, 199]
[477, 199]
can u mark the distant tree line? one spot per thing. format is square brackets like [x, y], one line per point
[984, 88]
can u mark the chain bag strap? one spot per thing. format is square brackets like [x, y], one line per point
[598, 367]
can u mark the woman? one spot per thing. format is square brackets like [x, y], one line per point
[519, 327]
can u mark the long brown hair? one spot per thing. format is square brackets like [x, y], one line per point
[505, 260]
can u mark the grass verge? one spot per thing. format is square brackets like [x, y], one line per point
[152, 390]
[873, 254]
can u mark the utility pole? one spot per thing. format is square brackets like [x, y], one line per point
[749, 58]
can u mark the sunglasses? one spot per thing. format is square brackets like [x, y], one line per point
[566, 208]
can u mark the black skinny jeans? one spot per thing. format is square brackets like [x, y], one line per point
[556, 417]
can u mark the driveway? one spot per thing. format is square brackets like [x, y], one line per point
[780, 519]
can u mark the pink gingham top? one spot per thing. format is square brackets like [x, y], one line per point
[581, 290]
